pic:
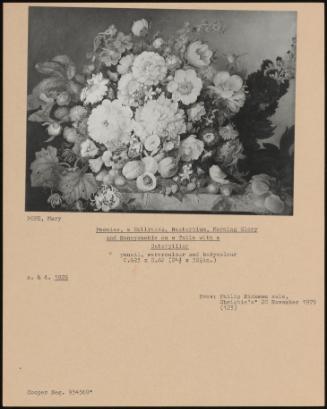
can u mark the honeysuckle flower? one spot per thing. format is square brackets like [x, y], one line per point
[106, 198]
[228, 132]
[185, 86]
[110, 124]
[88, 149]
[125, 64]
[96, 89]
[230, 88]
[196, 112]
[149, 68]
[140, 27]
[191, 148]
[198, 54]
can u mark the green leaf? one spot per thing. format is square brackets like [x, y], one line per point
[45, 168]
[76, 184]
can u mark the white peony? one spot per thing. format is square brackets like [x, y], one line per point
[125, 64]
[96, 89]
[161, 117]
[110, 124]
[149, 68]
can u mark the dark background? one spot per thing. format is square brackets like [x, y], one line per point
[71, 31]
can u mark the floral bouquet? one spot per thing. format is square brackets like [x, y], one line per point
[149, 114]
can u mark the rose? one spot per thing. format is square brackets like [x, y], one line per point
[140, 27]
[198, 54]
[191, 148]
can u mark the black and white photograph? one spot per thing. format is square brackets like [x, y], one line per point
[160, 111]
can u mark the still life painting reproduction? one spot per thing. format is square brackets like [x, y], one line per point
[139, 110]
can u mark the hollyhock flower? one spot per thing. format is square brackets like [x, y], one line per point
[95, 90]
[149, 68]
[191, 148]
[185, 86]
[196, 112]
[140, 27]
[110, 124]
[198, 54]
[125, 64]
